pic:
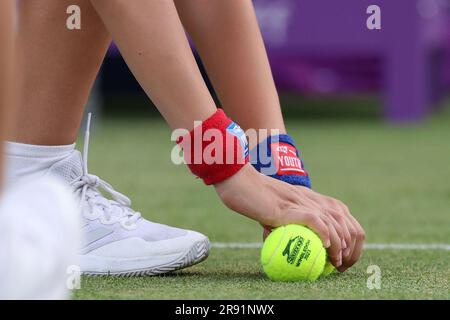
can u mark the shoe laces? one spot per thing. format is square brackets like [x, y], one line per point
[88, 186]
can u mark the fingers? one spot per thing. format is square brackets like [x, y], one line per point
[313, 221]
[341, 229]
[352, 232]
[335, 249]
[346, 226]
[357, 248]
[327, 229]
[358, 236]
[356, 254]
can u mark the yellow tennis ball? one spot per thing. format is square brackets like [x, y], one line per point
[293, 253]
[328, 269]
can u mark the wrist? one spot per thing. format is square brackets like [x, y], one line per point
[278, 157]
[215, 149]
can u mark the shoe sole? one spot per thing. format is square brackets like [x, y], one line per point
[198, 253]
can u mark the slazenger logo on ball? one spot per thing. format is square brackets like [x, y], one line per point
[291, 251]
[286, 159]
[296, 246]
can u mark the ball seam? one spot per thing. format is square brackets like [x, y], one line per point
[278, 245]
[314, 263]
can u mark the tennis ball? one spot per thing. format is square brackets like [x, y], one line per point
[328, 269]
[292, 253]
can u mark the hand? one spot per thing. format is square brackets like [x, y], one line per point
[274, 203]
[354, 234]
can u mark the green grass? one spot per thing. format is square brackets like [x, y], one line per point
[395, 180]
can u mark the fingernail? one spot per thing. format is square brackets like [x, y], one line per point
[339, 260]
[346, 252]
[327, 244]
[344, 244]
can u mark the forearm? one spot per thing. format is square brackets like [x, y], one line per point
[227, 35]
[152, 40]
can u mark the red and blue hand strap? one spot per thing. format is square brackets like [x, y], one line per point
[279, 158]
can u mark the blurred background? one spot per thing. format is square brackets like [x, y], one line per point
[326, 62]
[369, 109]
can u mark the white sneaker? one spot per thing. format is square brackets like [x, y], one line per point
[39, 240]
[117, 240]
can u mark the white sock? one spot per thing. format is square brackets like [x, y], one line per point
[32, 161]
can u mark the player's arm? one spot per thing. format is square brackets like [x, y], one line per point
[228, 38]
[152, 40]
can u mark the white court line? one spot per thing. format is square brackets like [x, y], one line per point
[369, 246]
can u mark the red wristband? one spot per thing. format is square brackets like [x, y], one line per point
[216, 149]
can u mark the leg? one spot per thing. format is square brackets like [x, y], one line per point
[227, 36]
[27, 246]
[57, 68]
[6, 72]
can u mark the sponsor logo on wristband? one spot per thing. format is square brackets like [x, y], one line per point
[237, 131]
[213, 151]
[286, 159]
